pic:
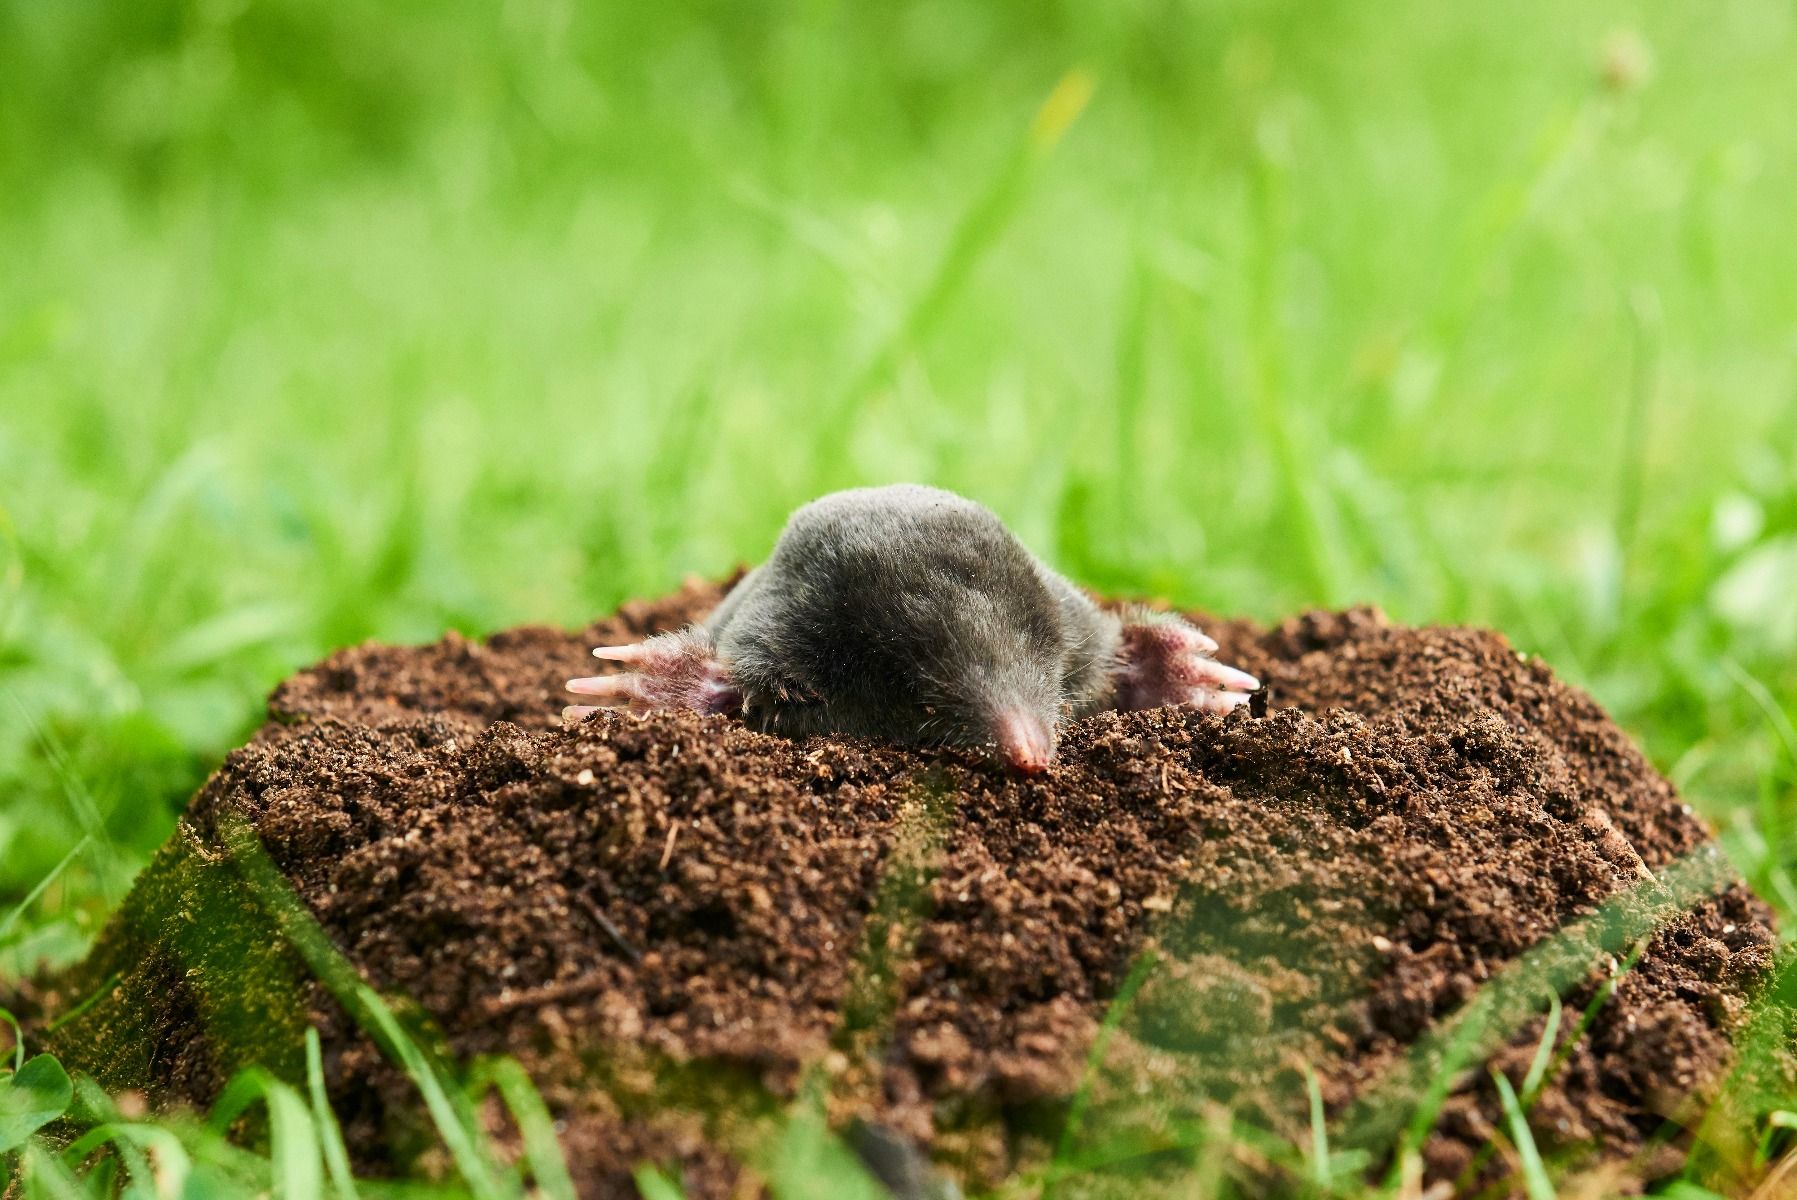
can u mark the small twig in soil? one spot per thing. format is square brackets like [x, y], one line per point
[591, 907]
[667, 851]
[571, 989]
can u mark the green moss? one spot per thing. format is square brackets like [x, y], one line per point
[191, 948]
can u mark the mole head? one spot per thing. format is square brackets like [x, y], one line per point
[975, 660]
[905, 614]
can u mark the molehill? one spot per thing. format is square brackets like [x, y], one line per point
[677, 924]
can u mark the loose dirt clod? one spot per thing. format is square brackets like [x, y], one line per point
[671, 919]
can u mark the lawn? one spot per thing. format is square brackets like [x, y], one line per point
[321, 323]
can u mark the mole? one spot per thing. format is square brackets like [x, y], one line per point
[912, 615]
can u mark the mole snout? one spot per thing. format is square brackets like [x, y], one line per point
[912, 615]
[1025, 741]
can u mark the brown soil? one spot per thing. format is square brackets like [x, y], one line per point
[671, 919]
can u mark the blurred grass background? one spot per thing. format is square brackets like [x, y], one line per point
[323, 322]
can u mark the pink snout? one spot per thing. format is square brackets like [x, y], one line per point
[1024, 741]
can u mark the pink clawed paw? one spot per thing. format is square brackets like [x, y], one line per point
[1168, 662]
[672, 670]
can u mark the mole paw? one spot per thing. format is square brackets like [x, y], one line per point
[671, 670]
[1165, 661]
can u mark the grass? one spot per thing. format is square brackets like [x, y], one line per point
[328, 322]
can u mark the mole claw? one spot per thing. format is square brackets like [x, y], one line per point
[1229, 678]
[1220, 703]
[672, 670]
[1166, 661]
[614, 687]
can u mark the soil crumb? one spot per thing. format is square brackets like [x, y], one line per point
[675, 923]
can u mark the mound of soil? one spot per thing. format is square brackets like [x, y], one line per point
[674, 921]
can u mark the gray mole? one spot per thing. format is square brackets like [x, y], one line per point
[912, 615]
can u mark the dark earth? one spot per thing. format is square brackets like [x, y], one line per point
[679, 925]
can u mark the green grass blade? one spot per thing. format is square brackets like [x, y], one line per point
[449, 1108]
[548, 1166]
[330, 1134]
[157, 1162]
[18, 1039]
[453, 1116]
[293, 1146]
[43, 885]
[1769, 707]
[1460, 1050]
[1646, 322]
[86, 1002]
[1319, 1133]
[656, 1186]
[1509, 998]
[92, 1106]
[45, 1178]
[1544, 1050]
[81, 803]
[979, 228]
[1534, 1173]
[1680, 1189]
[807, 1161]
[1082, 1096]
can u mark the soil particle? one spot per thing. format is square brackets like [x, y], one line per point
[671, 919]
